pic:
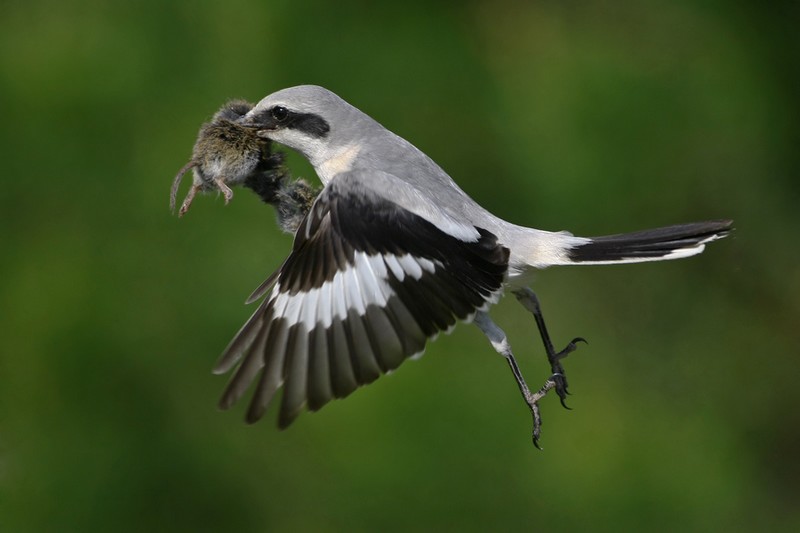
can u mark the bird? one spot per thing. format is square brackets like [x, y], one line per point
[391, 253]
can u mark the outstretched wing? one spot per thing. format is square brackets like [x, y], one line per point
[366, 285]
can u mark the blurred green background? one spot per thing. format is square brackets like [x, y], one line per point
[597, 118]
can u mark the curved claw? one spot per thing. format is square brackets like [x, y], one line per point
[569, 348]
[536, 443]
[561, 388]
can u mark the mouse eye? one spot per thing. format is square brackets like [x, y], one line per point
[279, 113]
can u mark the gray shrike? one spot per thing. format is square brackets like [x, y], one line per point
[391, 253]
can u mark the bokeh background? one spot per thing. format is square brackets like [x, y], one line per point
[597, 118]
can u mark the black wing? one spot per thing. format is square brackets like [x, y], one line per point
[366, 285]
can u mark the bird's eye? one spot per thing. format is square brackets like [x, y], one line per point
[280, 113]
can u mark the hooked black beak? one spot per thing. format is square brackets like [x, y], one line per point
[261, 121]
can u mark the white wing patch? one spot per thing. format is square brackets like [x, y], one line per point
[364, 283]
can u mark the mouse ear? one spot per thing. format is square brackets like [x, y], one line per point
[177, 183]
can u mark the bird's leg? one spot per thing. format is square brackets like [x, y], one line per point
[500, 343]
[528, 299]
[226, 191]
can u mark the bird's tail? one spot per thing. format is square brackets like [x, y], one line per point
[671, 242]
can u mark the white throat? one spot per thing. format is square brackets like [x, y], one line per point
[340, 161]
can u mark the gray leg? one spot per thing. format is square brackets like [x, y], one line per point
[529, 300]
[500, 343]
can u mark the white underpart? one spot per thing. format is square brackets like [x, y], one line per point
[216, 167]
[536, 248]
[341, 161]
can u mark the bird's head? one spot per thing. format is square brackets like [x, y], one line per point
[312, 120]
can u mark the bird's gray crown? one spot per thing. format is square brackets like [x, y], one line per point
[303, 98]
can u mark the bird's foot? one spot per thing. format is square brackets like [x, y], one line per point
[559, 376]
[533, 402]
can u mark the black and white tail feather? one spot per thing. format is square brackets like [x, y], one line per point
[670, 242]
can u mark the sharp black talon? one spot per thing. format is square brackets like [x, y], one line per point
[571, 347]
[560, 384]
[536, 444]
